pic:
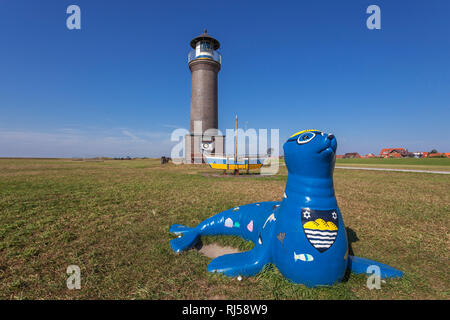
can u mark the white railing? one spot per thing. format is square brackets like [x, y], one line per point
[240, 158]
[216, 56]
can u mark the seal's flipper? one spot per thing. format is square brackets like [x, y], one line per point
[179, 229]
[185, 242]
[359, 265]
[243, 263]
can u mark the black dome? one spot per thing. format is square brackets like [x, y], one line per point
[205, 36]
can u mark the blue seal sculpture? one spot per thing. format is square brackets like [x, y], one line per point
[303, 235]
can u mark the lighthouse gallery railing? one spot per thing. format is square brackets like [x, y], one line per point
[216, 56]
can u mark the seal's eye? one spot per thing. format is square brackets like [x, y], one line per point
[305, 137]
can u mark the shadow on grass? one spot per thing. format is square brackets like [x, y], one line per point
[351, 237]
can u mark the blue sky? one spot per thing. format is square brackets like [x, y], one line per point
[119, 86]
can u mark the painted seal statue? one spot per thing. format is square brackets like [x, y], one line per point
[303, 235]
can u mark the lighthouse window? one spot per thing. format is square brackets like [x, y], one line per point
[205, 46]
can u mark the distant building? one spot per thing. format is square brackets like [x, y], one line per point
[352, 155]
[393, 153]
[439, 155]
[369, 155]
[339, 156]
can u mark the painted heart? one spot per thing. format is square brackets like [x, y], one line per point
[229, 223]
[250, 226]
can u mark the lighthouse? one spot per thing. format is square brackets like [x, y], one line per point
[205, 63]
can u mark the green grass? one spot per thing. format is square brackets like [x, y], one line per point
[400, 161]
[111, 218]
[437, 164]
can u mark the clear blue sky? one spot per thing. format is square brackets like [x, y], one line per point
[120, 85]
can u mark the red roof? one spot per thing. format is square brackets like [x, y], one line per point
[352, 155]
[386, 151]
[439, 154]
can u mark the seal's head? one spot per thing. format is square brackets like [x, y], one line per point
[310, 153]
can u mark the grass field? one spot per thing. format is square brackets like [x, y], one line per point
[111, 218]
[436, 164]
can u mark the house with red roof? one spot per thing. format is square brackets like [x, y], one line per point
[352, 155]
[439, 154]
[370, 155]
[393, 152]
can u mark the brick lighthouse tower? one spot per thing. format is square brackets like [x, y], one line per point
[204, 62]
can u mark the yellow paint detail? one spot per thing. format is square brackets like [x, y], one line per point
[303, 131]
[223, 166]
[320, 224]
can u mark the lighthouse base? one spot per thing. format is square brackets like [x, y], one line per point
[196, 146]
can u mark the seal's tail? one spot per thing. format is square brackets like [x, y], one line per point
[179, 229]
[361, 265]
[188, 239]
